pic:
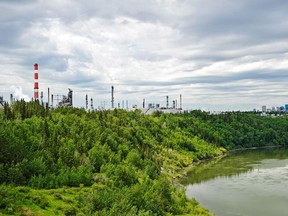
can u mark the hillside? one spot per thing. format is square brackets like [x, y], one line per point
[71, 162]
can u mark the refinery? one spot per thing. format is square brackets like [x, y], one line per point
[59, 100]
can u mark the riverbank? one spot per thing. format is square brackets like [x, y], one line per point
[254, 148]
[182, 173]
[176, 163]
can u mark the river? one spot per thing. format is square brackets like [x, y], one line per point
[247, 183]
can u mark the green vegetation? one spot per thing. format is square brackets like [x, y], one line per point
[71, 162]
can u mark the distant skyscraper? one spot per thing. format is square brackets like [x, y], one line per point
[264, 108]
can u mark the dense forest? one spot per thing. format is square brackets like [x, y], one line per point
[68, 161]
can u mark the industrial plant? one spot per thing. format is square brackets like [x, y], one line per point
[58, 100]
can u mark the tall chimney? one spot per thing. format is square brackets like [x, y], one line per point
[48, 97]
[86, 102]
[11, 99]
[167, 102]
[112, 97]
[92, 107]
[41, 96]
[36, 87]
[180, 102]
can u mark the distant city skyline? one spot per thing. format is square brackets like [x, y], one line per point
[220, 55]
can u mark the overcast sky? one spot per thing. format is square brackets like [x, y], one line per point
[219, 54]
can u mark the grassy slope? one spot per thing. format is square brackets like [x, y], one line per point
[22, 200]
[26, 201]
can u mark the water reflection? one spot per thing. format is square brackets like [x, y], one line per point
[250, 183]
[233, 164]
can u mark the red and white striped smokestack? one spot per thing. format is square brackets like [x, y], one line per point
[36, 87]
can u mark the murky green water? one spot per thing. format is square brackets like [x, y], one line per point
[250, 183]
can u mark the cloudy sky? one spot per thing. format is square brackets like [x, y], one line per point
[219, 54]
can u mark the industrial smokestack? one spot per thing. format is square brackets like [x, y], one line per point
[144, 103]
[41, 96]
[112, 97]
[86, 102]
[48, 97]
[11, 99]
[167, 102]
[36, 87]
[92, 107]
[180, 102]
[52, 100]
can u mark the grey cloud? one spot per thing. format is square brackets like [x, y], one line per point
[270, 76]
[10, 35]
[206, 32]
[54, 62]
[254, 22]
